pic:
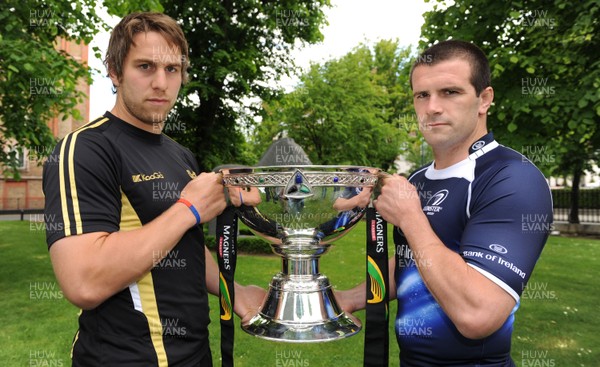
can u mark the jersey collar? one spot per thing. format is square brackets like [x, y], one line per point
[482, 146]
[134, 131]
[465, 168]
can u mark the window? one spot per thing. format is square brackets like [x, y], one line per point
[19, 155]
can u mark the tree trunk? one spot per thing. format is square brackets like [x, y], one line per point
[574, 214]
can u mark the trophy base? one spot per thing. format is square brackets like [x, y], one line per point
[299, 310]
[275, 330]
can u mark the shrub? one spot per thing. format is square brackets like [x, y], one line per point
[246, 245]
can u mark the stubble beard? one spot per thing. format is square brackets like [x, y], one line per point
[147, 117]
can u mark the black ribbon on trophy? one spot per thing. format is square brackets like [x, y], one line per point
[226, 237]
[376, 347]
[376, 342]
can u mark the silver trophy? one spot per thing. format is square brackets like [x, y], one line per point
[301, 210]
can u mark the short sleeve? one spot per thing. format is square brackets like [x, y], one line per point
[81, 186]
[510, 220]
[189, 158]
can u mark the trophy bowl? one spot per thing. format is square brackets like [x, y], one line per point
[301, 210]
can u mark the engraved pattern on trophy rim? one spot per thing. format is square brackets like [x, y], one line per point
[264, 179]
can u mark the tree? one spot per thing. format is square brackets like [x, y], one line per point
[545, 72]
[237, 48]
[37, 81]
[352, 110]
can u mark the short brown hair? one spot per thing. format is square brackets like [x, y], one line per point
[122, 35]
[451, 49]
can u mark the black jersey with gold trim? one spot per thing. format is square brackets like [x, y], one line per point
[110, 176]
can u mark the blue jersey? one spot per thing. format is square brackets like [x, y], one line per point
[495, 210]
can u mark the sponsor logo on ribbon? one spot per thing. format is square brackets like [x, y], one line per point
[225, 299]
[377, 289]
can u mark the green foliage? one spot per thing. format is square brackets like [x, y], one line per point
[545, 72]
[351, 110]
[254, 245]
[123, 7]
[245, 245]
[38, 82]
[236, 50]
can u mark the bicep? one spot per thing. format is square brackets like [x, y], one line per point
[72, 257]
[507, 231]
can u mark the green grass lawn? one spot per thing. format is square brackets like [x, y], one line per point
[556, 326]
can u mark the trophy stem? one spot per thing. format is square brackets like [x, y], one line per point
[300, 306]
[300, 266]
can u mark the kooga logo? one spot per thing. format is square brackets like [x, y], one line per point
[142, 177]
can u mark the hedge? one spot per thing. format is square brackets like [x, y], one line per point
[246, 244]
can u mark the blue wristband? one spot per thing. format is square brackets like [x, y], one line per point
[192, 208]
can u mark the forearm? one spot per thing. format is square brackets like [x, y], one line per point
[355, 299]
[476, 305]
[212, 273]
[94, 266]
[248, 299]
[141, 249]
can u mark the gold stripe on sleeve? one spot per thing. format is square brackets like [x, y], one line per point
[72, 182]
[63, 190]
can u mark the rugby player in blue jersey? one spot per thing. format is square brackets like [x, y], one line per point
[464, 251]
